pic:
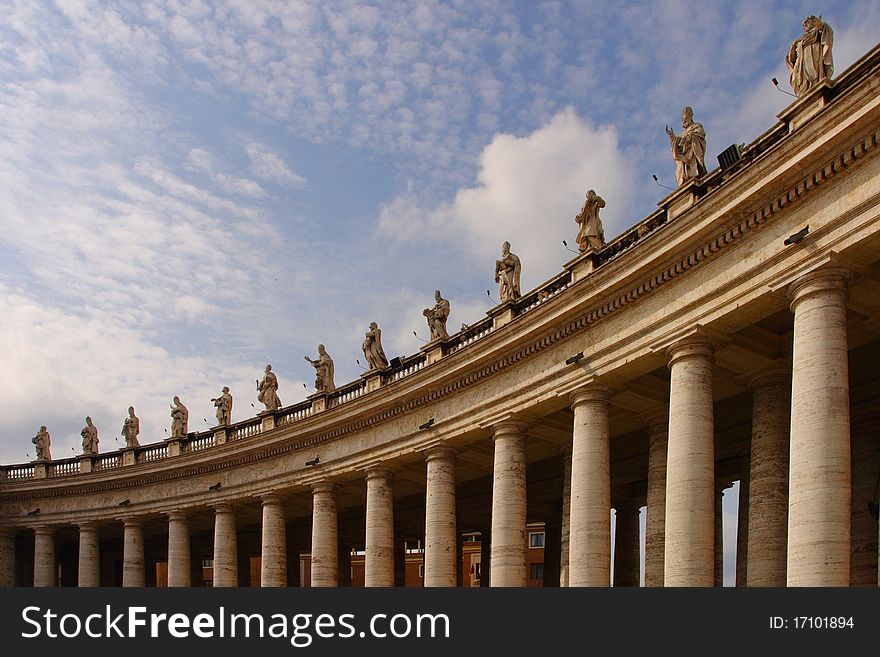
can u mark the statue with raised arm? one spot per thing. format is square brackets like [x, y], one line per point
[131, 428]
[590, 232]
[179, 418]
[268, 388]
[809, 59]
[437, 317]
[323, 365]
[223, 404]
[688, 148]
[507, 271]
[372, 347]
[43, 444]
[90, 437]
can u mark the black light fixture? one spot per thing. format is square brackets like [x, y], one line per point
[797, 237]
[418, 338]
[729, 156]
[34, 512]
[396, 363]
[489, 294]
[125, 503]
[215, 486]
[776, 84]
[426, 425]
[574, 359]
[657, 180]
[314, 461]
[565, 244]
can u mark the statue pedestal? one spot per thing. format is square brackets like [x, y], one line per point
[502, 314]
[268, 419]
[433, 351]
[220, 435]
[85, 463]
[319, 402]
[682, 198]
[806, 107]
[128, 456]
[41, 469]
[374, 380]
[583, 265]
[174, 446]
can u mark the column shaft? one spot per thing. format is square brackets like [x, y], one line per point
[690, 474]
[45, 573]
[225, 547]
[7, 558]
[589, 562]
[655, 522]
[440, 551]
[820, 471]
[179, 560]
[566, 519]
[325, 536]
[742, 525]
[865, 475]
[379, 560]
[273, 552]
[768, 481]
[133, 554]
[509, 539]
[88, 571]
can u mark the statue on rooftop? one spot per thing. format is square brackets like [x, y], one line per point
[590, 235]
[437, 317]
[507, 271]
[688, 148]
[809, 59]
[323, 365]
[43, 443]
[131, 428]
[179, 418]
[89, 437]
[372, 347]
[268, 388]
[223, 404]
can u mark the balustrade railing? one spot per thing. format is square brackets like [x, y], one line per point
[200, 442]
[294, 413]
[347, 393]
[19, 472]
[63, 468]
[534, 299]
[246, 429]
[107, 461]
[408, 366]
[153, 453]
[469, 335]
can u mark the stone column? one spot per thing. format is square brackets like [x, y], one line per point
[440, 553]
[225, 547]
[720, 485]
[768, 479]
[626, 544]
[865, 466]
[133, 553]
[7, 557]
[655, 522]
[509, 539]
[690, 471]
[379, 559]
[820, 473]
[325, 536]
[485, 553]
[273, 552]
[589, 562]
[89, 571]
[742, 524]
[45, 573]
[566, 518]
[179, 560]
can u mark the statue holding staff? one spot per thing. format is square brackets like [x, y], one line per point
[323, 365]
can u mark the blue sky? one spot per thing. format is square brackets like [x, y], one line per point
[189, 190]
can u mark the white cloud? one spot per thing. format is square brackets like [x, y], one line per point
[267, 165]
[528, 191]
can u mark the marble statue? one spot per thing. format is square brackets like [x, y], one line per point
[688, 148]
[437, 317]
[131, 428]
[373, 351]
[223, 404]
[179, 418]
[590, 232]
[507, 271]
[268, 390]
[90, 437]
[809, 59]
[323, 365]
[43, 443]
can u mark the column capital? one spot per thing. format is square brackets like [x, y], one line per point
[441, 451]
[176, 514]
[223, 507]
[324, 487]
[378, 472]
[507, 427]
[271, 498]
[132, 521]
[594, 392]
[88, 526]
[824, 279]
[657, 422]
[43, 530]
[777, 373]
